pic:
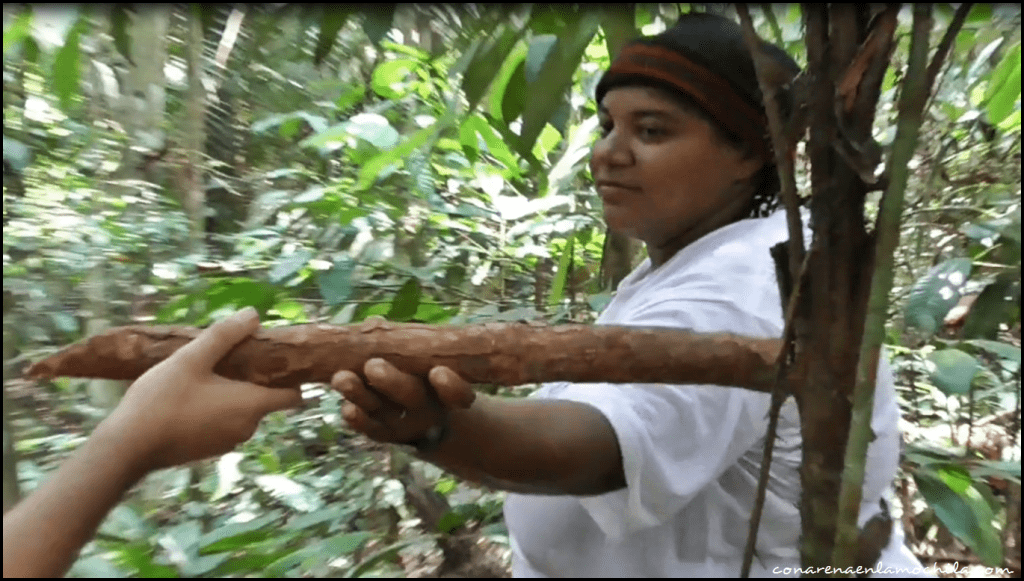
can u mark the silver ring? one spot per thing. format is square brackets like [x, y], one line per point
[401, 416]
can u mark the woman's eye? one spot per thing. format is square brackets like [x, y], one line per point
[651, 132]
[605, 129]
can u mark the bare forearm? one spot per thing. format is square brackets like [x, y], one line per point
[44, 533]
[533, 447]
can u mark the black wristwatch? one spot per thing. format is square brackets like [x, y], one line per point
[432, 440]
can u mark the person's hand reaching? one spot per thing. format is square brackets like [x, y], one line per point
[181, 411]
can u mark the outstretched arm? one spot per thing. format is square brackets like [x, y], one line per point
[178, 412]
[527, 446]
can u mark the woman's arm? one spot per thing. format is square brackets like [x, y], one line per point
[529, 446]
[178, 412]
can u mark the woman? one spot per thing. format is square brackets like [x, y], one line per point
[649, 480]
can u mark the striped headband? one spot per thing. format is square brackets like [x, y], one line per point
[710, 91]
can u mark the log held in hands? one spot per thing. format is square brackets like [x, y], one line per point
[501, 353]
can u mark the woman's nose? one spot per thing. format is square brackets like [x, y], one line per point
[612, 149]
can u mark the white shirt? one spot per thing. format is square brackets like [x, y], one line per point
[691, 454]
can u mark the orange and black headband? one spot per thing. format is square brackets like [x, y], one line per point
[710, 91]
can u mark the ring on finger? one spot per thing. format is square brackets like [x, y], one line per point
[401, 416]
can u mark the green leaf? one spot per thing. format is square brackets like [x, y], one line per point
[545, 95]
[558, 284]
[998, 303]
[953, 370]
[289, 265]
[66, 69]
[391, 73]
[18, 31]
[377, 21]
[960, 515]
[987, 543]
[372, 169]
[935, 293]
[406, 301]
[334, 17]
[540, 50]
[290, 310]
[1002, 350]
[1001, 104]
[119, 22]
[956, 477]
[336, 283]
[513, 99]
[235, 535]
[486, 65]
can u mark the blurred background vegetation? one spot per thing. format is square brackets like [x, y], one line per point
[428, 163]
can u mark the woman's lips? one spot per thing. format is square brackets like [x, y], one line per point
[611, 191]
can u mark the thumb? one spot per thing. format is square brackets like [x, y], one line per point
[273, 399]
[221, 337]
[452, 390]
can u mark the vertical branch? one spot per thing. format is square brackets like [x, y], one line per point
[194, 195]
[911, 106]
[797, 266]
[783, 154]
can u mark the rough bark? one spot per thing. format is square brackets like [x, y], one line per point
[502, 353]
[834, 308]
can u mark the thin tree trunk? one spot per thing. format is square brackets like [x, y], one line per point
[194, 196]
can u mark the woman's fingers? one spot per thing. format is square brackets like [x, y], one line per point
[452, 390]
[402, 388]
[355, 391]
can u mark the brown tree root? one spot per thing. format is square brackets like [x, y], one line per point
[497, 353]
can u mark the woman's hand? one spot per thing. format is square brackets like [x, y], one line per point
[181, 411]
[394, 406]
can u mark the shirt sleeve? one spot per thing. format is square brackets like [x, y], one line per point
[674, 439]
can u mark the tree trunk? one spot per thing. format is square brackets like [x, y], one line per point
[194, 139]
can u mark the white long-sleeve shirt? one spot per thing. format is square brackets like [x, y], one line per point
[691, 454]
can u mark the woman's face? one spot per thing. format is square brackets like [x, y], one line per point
[663, 174]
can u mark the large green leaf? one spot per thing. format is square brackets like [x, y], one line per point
[952, 370]
[998, 303]
[66, 69]
[545, 95]
[336, 283]
[406, 301]
[1002, 350]
[486, 66]
[377, 20]
[391, 73]
[935, 293]
[1004, 88]
[513, 98]
[289, 265]
[233, 536]
[334, 17]
[540, 50]
[18, 31]
[119, 23]
[966, 516]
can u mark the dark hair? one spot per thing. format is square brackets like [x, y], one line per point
[703, 62]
